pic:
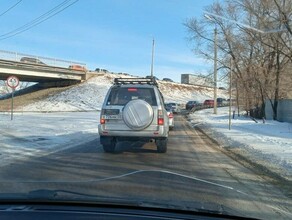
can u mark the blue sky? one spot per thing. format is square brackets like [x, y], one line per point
[112, 34]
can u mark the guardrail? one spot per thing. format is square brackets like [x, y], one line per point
[38, 67]
[15, 56]
[200, 107]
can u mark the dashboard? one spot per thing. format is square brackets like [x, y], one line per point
[82, 211]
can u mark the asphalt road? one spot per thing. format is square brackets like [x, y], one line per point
[193, 173]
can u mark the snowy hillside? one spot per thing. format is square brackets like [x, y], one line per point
[90, 95]
[181, 93]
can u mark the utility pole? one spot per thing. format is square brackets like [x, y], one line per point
[215, 70]
[152, 58]
[215, 62]
[230, 90]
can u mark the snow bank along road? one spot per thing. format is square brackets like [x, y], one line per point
[192, 172]
[268, 144]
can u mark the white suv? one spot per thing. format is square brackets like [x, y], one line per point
[133, 110]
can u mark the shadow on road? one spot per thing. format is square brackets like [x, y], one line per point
[135, 147]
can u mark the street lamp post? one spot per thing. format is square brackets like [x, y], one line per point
[152, 58]
[215, 70]
[230, 91]
[215, 64]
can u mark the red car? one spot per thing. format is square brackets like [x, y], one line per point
[209, 103]
[78, 67]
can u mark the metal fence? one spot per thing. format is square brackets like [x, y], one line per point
[200, 107]
[14, 56]
[284, 111]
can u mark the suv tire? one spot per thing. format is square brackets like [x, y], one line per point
[109, 148]
[161, 145]
[108, 143]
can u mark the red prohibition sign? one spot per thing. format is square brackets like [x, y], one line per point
[12, 82]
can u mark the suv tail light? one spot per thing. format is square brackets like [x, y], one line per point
[160, 119]
[170, 115]
[102, 119]
[132, 90]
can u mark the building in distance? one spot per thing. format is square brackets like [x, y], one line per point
[198, 80]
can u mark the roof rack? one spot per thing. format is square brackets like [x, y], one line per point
[122, 81]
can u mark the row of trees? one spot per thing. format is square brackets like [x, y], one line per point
[257, 36]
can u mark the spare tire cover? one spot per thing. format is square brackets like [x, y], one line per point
[138, 114]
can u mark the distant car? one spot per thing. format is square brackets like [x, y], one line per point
[170, 116]
[209, 103]
[192, 104]
[31, 60]
[232, 101]
[221, 102]
[102, 70]
[167, 79]
[175, 107]
[77, 67]
[154, 77]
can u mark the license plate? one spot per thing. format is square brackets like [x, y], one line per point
[112, 117]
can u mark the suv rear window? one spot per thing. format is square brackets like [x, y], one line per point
[121, 96]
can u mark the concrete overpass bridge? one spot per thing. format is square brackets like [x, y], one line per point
[49, 71]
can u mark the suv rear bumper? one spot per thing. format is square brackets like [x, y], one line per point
[107, 140]
[160, 132]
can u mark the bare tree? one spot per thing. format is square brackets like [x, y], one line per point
[260, 56]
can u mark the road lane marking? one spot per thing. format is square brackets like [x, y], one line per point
[141, 171]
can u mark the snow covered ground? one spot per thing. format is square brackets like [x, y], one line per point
[38, 134]
[90, 94]
[75, 113]
[270, 142]
[86, 96]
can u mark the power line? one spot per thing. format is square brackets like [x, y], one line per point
[33, 22]
[36, 19]
[54, 11]
[3, 13]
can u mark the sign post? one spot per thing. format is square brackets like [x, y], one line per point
[12, 82]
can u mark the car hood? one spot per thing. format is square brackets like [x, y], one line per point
[149, 188]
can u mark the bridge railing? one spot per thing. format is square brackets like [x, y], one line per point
[15, 56]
